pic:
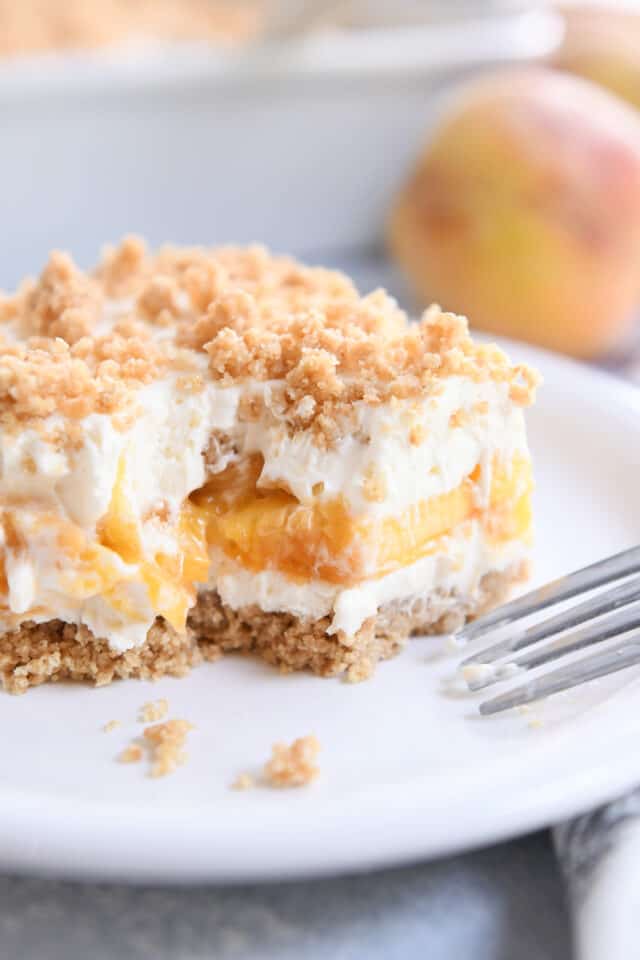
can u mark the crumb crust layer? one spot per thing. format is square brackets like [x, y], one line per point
[37, 653]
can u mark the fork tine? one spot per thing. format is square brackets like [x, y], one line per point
[604, 628]
[595, 575]
[605, 602]
[601, 664]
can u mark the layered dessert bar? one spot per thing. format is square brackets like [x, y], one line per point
[214, 450]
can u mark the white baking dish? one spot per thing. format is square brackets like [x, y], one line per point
[299, 147]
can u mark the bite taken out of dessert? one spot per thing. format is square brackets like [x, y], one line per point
[213, 450]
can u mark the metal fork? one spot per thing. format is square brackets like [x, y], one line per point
[612, 613]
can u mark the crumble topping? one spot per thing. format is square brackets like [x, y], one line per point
[163, 742]
[459, 418]
[375, 485]
[46, 376]
[131, 754]
[417, 434]
[65, 302]
[85, 342]
[167, 741]
[294, 765]
[121, 266]
[244, 781]
[154, 710]
[289, 766]
[43, 377]
[220, 449]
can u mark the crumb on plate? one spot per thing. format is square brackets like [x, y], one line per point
[153, 711]
[292, 766]
[244, 781]
[131, 754]
[166, 741]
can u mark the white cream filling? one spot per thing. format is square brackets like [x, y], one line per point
[163, 462]
[381, 443]
[162, 454]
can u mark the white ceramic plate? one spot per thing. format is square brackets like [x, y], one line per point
[408, 770]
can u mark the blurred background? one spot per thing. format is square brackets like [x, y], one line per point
[482, 153]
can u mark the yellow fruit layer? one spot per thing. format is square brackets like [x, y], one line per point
[170, 579]
[269, 529]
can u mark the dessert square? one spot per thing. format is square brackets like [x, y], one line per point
[213, 450]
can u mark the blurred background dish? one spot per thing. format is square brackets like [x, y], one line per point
[299, 144]
[37, 26]
[309, 124]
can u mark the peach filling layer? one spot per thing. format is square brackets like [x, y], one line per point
[269, 529]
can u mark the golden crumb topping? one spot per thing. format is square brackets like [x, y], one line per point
[43, 376]
[294, 765]
[76, 342]
[332, 349]
[64, 303]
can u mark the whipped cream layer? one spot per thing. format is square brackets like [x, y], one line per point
[411, 450]
[391, 457]
[55, 492]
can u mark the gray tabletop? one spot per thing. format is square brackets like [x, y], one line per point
[503, 903]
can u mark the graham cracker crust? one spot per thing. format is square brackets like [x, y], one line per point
[36, 653]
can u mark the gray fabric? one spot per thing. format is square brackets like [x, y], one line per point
[503, 903]
[581, 844]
